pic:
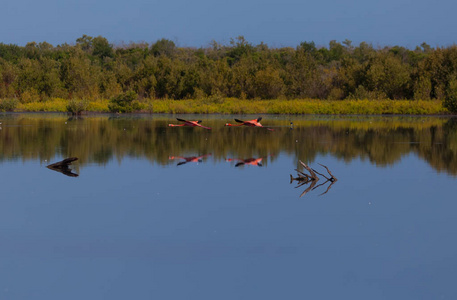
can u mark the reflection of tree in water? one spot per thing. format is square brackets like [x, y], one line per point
[99, 139]
[442, 151]
[103, 155]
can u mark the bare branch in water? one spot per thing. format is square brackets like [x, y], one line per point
[312, 179]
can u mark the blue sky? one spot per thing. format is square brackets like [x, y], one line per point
[196, 23]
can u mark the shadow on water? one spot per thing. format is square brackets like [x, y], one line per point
[101, 138]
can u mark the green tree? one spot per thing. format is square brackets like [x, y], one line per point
[8, 76]
[451, 96]
[268, 83]
[80, 77]
[125, 102]
[163, 47]
[101, 48]
[386, 74]
[239, 48]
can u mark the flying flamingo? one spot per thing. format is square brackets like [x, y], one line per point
[189, 123]
[250, 123]
[188, 159]
[248, 161]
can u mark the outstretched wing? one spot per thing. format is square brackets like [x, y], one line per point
[239, 121]
[203, 126]
[182, 120]
[259, 119]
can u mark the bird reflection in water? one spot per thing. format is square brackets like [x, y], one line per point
[195, 159]
[248, 161]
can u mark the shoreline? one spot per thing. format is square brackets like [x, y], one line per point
[226, 106]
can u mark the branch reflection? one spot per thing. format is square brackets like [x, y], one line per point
[63, 167]
[312, 179]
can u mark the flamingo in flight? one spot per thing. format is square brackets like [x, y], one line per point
[250, 123]
[248, 161]
[189, 159]
[189, 123]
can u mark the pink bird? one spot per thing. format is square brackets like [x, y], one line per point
[189, 123]
[250, 123]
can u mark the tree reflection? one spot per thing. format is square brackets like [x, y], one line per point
[100, 139]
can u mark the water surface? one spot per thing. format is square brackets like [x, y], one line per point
[187, 213]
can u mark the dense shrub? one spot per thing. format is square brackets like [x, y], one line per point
[8, 104]
[76, 107]
[123, 103]
[450, 102]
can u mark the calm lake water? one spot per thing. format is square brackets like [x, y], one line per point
[156, 212]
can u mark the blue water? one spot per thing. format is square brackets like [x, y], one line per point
[135, 229]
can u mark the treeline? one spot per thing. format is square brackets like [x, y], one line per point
[93, 68]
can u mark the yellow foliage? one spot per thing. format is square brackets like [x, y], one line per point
[243, 106]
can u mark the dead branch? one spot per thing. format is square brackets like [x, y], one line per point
[313, 175]
[322, 175]
[303, 175]
[62, 164]
[300, 172]
[311, 187]
[328, 188]
[304, 179]
[302, 183]
[332, 178]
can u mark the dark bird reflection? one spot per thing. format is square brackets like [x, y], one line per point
[63, 167]
[197, 159]
[248, 161]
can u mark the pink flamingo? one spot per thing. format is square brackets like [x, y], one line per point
[250, 123]
[189, 123]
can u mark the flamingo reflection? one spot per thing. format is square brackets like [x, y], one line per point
[248, 161]
[196, 159]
